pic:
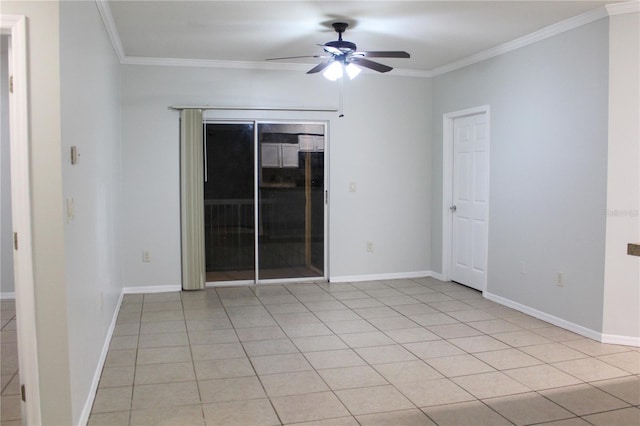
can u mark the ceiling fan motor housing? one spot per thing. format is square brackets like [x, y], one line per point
[342, 45]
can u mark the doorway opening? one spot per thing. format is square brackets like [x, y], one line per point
[265, 208]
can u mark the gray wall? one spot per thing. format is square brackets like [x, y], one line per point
[90, 117]
[549, 106]
[382, 143]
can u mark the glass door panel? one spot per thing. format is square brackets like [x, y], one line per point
[291, 200]
[229, 207]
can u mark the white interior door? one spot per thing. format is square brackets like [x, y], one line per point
[470, 201]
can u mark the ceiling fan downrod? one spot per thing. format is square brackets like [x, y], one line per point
[343, 46]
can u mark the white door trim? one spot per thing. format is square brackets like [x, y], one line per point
[16, 27]
[447, 179]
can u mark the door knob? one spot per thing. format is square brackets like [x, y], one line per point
[453, 208]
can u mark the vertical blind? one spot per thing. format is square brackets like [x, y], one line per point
[192, 200]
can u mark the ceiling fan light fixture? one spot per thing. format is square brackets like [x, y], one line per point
[353, 70]
[333, 71]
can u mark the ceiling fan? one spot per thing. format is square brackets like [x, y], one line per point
[343, 54]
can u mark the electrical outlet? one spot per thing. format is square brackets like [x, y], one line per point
[370, 246]
[146, 256]
[560, 279]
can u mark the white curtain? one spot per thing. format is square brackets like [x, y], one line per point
[192, 200]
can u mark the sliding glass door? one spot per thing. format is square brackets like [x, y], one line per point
[264, 201]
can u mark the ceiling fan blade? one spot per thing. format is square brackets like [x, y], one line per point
[320, 67]
[384, 54]
[294, 57]
[371, 65]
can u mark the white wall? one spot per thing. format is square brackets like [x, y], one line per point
[6, 228]
[548, 169]
[46, 198]
[90, 114]
[382, 144]
[622, 272]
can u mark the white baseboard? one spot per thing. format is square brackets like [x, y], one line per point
[8, 296]
[86, 411]
[578, 329]
[379, 277]
[614, 339]
[152, 289]
[437, 275]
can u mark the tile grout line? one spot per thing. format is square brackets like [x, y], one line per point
[247, 355]
[330, 389]
[193, 362]
[334, 391]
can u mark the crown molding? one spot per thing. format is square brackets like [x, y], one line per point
[212, 63]
[622, 8]
[112, 30]
[411, 73]
[542, 34]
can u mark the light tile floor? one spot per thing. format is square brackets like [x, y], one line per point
[400, 352]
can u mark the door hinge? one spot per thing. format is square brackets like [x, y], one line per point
[23, 394]
[326, 196]
[15, 241]
[10, 84]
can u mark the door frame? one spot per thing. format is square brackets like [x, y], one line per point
[267, 120]
[447, 182]
[16, 27]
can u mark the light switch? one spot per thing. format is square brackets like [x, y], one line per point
[352, 187]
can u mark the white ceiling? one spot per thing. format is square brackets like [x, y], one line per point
[435, 33]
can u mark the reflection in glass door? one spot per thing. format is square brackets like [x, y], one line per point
[284, 229]
[291, 200]
[229, 206]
